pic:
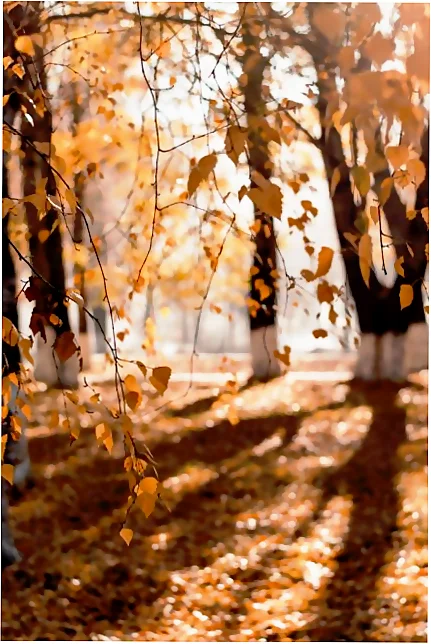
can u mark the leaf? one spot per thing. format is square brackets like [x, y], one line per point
[361, 178]
[7, 62]
[385, 190]
[201, 172]
[242, 192]
[235, 143]
[374, 213]
[148, 485]
[307, 275]
[76, 297]
[104, 435]
[417, 171]
[397, 155]
[335, 180]
[55, 320]
[283, 357]
[399, 266]
[324, 261]
[131, 383]
[10, 334]
[147, 503]
[24, 45]
[320, 333]
[264, 290]
[267, 199]
[426, 215]
[365, 257]
[7, 472]
[43, 235]
[325, 292]
[65, 345]
[133, 399]
[331, 22]
[127, 535]
[160, 378]
[406, 295]
[411, 214]
[142, 367]
[4, 437]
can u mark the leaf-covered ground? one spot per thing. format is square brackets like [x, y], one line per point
[297, 512]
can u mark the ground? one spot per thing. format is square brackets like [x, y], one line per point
[296, 512]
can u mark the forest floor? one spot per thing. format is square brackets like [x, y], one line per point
[297, 512]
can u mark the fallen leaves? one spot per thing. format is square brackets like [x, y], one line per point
[307, 521]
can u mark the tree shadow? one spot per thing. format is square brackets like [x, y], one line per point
[369, 478]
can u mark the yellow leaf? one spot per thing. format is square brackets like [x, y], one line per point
[399, 266]
[160, 378]
[25, 345]
[55, 320]
[426, 215]
[235, 143]
[385, 190]
[9, 333]
[3, 441]
[264, 290]
[7, 62]
[24, 45]
[417, 171]
[200, 172]
[410, 214]
[148, 485]
[335, 180]
[142, 367]
[147, 503]
[267, 198]
[104, 435]
[43, 235]
[324, 261]
[131, 383]
[397, 155]
[374, 214]
[361, 178]
[133, 399]
[365, 257]
[127, 535]
[7, 473]
[406, 295]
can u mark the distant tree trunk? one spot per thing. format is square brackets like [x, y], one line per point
[45, 234]
[262, 278]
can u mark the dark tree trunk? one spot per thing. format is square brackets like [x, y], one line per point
[45, 232]
[263, 273]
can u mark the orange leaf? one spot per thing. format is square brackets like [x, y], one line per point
[127, 535]
[406, 295]
[7, 473]
[324, 261]
[65, 346]
[160, 378]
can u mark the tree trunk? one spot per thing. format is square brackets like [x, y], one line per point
[263, 277]
[368, 300]
[45, 235]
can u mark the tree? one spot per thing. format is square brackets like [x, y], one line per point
[263, 276]
[50, 319]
